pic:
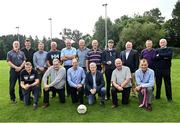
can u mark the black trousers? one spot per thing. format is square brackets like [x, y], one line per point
[27, 93]
[61, 93]
[108, 73]
[67, 84]
[40, 76]
[14, 76]
[166, 75]
[125, 95]
[77, 95]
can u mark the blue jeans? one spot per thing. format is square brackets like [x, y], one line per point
[27, 93]
[101, 92]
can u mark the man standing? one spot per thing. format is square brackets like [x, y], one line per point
[130, 58]
[53, 54]
[121, 82]
[145, 85]
[16, 60]
[29, 82]
[28, 51]
[82, 53]
[57, 75]
[149, 54]
[39, 60]
[108, 58]
[76, 77]
[67, 54]
[94, 55]
[94, 83]
[163, 69]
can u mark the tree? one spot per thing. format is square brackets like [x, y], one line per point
[138, 33]
[99, 31]
[154, 15]
[176, 22]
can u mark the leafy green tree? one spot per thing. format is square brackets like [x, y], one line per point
[138, 33]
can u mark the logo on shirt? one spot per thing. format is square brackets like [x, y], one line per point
[55, 56]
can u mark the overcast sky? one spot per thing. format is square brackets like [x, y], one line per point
[32, 15]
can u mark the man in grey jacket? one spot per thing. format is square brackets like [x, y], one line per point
[57, 75]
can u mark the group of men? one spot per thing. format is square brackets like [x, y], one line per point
[82, 71]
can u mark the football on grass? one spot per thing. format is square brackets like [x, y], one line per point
[81, 109]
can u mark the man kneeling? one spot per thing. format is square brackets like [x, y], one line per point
[94, 83]
[29, 82]
[145, 84]
[57, 75]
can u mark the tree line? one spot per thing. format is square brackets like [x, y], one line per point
[137, 29]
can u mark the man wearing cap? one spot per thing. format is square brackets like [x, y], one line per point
[109, 56]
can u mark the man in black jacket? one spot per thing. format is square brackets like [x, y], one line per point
[94, 83]
[130, 58]
[28, 51]
[163, 69]
[108, 58]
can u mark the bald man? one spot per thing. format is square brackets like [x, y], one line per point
[121, 82]
[16, 60]
[54, 53]
[82, 53]
[149, 54]
[94, 55]
[163, 69]
[130, 58]
[67, 54]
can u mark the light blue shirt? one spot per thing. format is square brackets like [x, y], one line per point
[39, 59]
[65, 51]
[75, 76]
[145, 79]
[81, 54]
[94, 80]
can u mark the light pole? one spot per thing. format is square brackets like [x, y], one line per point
[105, 5]
[50, 19]
[17, 32]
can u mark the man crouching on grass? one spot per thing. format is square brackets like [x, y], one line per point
[145, 85]
[29, 82]
[57, 75]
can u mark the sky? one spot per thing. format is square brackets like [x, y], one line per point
[31, 16]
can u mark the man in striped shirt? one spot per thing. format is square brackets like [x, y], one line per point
[94, 55]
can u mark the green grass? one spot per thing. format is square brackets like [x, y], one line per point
[162, 110]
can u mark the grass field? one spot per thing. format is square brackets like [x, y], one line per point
[162, 110]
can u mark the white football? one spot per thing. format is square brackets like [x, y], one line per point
[81, 109]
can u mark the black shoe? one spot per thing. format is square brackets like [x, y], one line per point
[149, 108]
[114, 106]
[13, 101]
[157, 98]
[170, 100]
[102, 103]
[45, 105]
